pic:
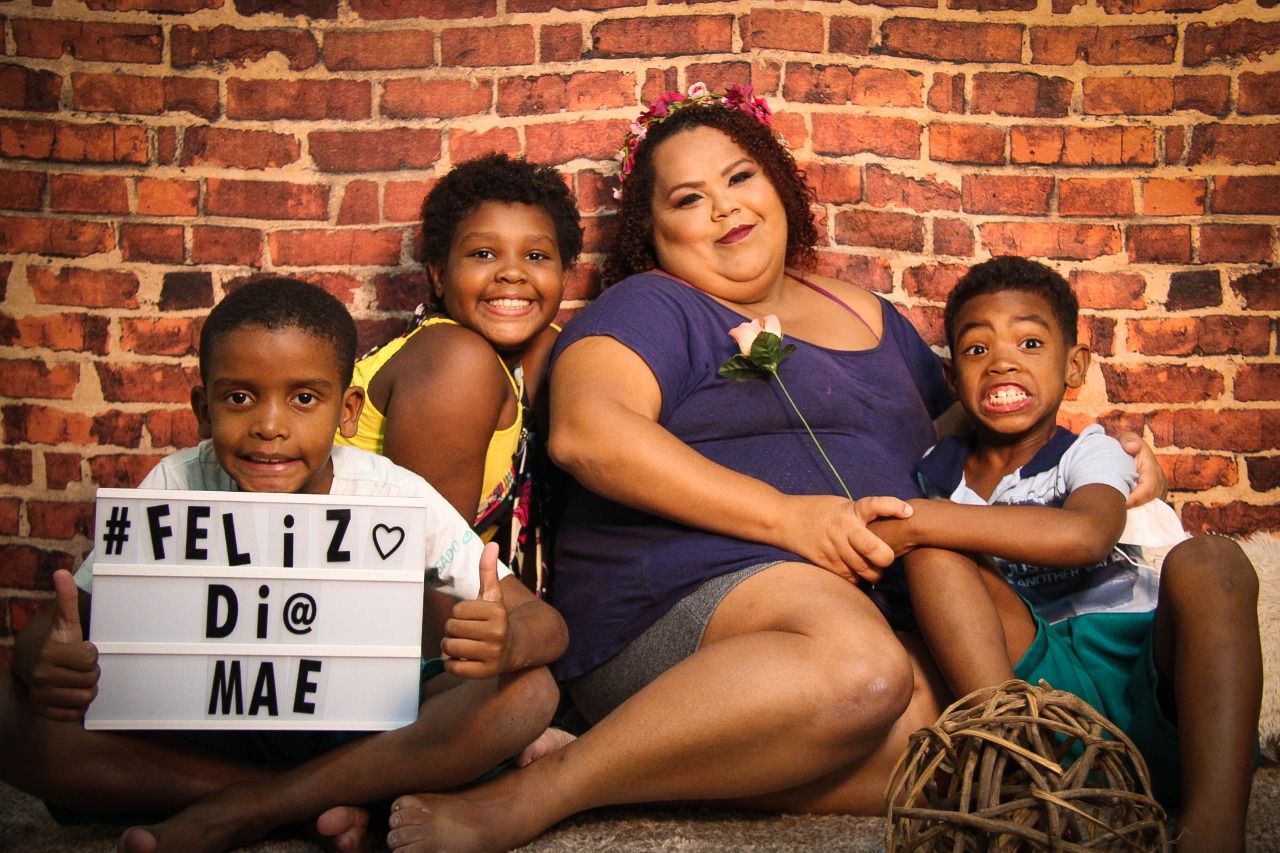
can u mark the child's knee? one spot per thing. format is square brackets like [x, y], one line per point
[1213, 566]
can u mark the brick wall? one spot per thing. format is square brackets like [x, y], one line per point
[157, 151]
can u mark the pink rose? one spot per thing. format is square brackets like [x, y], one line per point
[747, 333]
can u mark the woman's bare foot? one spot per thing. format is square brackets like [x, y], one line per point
[547, 743]
[342, 829]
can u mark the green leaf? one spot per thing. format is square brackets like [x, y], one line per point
[741, 368]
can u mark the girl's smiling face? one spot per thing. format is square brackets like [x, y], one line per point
[504, 277]
[718, 222]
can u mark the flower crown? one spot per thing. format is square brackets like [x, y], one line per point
[736, 97]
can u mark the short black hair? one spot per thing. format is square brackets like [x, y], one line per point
[278, 302]
[633, 249]
[497, 177]
[1010, 272]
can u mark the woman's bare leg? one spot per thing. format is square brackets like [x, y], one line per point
[798, 675]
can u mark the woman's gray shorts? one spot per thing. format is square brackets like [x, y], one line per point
[674, 637]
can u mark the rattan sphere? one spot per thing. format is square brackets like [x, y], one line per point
[994, 774]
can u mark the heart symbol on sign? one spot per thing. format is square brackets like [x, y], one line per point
[381, 531]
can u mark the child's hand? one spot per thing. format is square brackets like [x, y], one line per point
[476, 635]
[62, 676]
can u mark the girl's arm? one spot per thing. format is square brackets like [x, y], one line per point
[1083, 531]
[605, 402]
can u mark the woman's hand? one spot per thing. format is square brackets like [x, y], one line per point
[1151, 480]
[832, 533]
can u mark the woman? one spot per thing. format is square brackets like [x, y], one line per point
[720, 634]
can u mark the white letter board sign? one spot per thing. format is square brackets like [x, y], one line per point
[229, 610]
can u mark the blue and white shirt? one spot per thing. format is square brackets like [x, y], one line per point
[1121, 583]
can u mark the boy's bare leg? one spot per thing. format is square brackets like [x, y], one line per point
[797, 676]
[958, 619]
[460, 734]
[1209, 657]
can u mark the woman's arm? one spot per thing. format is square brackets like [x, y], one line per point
[605, 404]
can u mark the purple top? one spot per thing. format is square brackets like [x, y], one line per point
[619, 569]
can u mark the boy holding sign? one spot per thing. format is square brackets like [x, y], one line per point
[275, 361]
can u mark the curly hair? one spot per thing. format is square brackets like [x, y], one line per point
[497, 177]
[1010, 272]
[276, 303]
[633, 249]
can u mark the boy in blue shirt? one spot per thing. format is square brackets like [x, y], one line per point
[276, 362]
[1180, 672]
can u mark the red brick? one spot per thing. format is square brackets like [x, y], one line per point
[74, 332]
[476, 47]
[60, 519]
[1199, 471]
[1204, 335]
[782, 29]
[874, 274]
[159, 6]
[951, 41]
[467, 146]
[348, 248]
[1055, 240]
[953, 237]
[1110, 45]
[61, 469]
[45, 425]
[197, 96]
[146, 383]
[1248, 194]
[1175, 145]
[15, 467]
[73, 143]
[841, 135]
[356, 50]
[1232, 519]
[1239, 430]
[1237, 244]
[595, 191]
[118, 93]
[1095, 197]
[1259, 93]
[1109, 290]
[1159, 244]
[1254, 145]
[88, 41]
[35, 378]
[57, 237]
[966, 143]
[183, 290]
[375, 150]
[928, 321]
[402, 200]
[1099, 334]
[1258, 382]
[838, 84]
[167, 197]
[166, 146]
[1021, 94]
[29, 89]
[1193, 289]
[121, 470]
[1239, 39]
[1104, 96]
[946, 93]
[661, 36]
[1162, 383]
[240, 149]
[1131, 7]
[359, 204]
[266, 199]
[932, 281]
[154, 243]
[88, 194]
[1027, 195]
[432, 10]
[400, 291]
[89, 288]
[1260, 291]
[1173, 196]
[1264, 472]
[901, 231]
[216, 46]
[560, 43]
[559, 143]
[176, 428]
[10, 517]
[553, 93]
[175, 336]
[21, 190]
[417, 98]
[1210, 94]
[851, 36]
[834, 183]
[31, 568]
[270, 100]
[211, 244]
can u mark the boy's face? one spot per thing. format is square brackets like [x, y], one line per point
[272, 403]
[1010, 364]
[504, 278]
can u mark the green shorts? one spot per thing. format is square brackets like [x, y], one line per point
[1108, 660]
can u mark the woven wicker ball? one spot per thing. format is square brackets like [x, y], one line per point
[994, 774]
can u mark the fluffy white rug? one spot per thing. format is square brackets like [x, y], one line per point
[1264, 550]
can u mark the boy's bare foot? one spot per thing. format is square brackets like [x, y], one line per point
[495, 816]
[137, 839]
[217, 823]
[342, 829]
[547, 743]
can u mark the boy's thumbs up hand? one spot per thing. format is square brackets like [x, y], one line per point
[61, 672]
[476, 635]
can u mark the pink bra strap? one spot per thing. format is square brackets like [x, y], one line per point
[837, 300]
